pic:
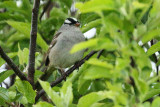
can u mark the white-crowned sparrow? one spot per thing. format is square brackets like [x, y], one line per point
[58, 55]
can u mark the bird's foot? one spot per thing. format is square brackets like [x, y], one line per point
[77, 65]
[63, 73]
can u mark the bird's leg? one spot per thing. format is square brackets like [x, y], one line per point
[62, 73]
[77, 65]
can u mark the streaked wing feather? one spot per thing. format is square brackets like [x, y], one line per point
[54, 40]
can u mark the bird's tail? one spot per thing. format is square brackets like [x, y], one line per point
[47, 73]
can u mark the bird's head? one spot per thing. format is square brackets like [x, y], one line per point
[72, 21]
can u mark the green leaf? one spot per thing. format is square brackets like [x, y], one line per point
[113, 20]
[139, 5]
[23, 100]
[154, 48]
[117, 94]
[4, 94]
[95, 5]
[156, 102]
[26, 89]
[155, 7]
[2, 101]
[141, 31]
[154, 15]
[96, 72]
[23, 55]
[26, 6]
[153, 80]
[7, 16]
[151, 93]
[122, 63]
[146, 104]
[84, 45]
[150, 35]
[43, 104]
[66, 93]
[16, 37]
[83, 84]
[37, 74]
[68, 3]
[155, 85]
[2, 61]
[91, 98]
[98, 105]
[12, 95]
[9, 4]
[11, 55]
[5, 74]
[58, 13]
[52, 94]
[24, 28]
[142, 54]
[94, 61]
[107, 44]
[91, 25]
[140, 84]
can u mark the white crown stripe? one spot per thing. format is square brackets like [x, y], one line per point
[74, 19]
[67, 21]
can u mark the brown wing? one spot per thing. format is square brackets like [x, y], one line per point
[54, 40]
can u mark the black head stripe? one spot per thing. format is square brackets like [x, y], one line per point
[72, 21]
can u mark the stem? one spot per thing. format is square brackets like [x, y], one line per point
[33, 37]
[45, 9]
[12, 65]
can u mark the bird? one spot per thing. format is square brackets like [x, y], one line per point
[58, 55]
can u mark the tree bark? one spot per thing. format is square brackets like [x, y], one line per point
[12, 65]
[33, 37]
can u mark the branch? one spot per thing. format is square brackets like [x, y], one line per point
[100, 53]
[12, 78]
[45, 9]
[60, 79]
[33, 37]
[12, 65]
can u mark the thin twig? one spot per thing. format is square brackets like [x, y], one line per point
[100, 53]
[33, 37]
[45, 9]
[12, 65]
[10, 104]
[60, 79]
[12, 78]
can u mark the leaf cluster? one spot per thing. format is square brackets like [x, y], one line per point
[128, 32]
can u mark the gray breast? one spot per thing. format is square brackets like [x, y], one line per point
[61, 57]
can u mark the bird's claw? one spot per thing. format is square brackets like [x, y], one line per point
[64, 76]
[77, 65]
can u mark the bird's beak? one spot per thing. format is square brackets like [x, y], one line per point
[77, 24]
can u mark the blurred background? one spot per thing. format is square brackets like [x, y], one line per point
[127, 73]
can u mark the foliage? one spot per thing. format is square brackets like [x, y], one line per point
[127, 30]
